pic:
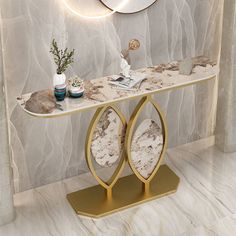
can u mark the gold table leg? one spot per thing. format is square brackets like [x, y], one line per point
[121, 193]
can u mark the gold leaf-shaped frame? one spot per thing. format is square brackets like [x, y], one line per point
[129, 136]
[108, 139]
[96, 118]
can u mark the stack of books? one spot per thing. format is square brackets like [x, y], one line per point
[127, 83]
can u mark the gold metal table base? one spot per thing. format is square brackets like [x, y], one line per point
[121, 193]
[127, 192]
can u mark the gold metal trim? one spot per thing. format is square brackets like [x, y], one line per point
[111, 182]
[129, 133]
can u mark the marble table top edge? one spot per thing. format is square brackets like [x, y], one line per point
[100, 93]
[102, 104]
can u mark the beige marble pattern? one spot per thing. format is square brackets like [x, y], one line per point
[108, 139]
[98, 92]
[146, 147]
[203, 205]
[6, 188]
[226, 117]
[223, 227]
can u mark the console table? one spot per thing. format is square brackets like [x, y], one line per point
[112, 142]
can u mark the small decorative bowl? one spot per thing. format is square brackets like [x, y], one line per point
[60, 92]
[76, 94]
[76, 87]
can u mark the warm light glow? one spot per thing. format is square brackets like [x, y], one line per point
[69, 7]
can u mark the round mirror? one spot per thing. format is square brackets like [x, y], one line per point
[131, 6]
[92, 8]
[88, 7]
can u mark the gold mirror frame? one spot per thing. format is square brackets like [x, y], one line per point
[128, 12]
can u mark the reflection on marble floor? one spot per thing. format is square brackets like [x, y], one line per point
[203, 205]
[223, 227]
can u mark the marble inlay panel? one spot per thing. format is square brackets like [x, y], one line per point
[146, 147]
[108, 139]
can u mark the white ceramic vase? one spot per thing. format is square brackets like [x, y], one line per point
[59, 79]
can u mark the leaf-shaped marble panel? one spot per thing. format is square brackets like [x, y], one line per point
[146, 147]
[108, 139]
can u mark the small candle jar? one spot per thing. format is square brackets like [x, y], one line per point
[60, 92]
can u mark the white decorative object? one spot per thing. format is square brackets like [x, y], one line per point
[125, 68]
[186, 66]
[59, 79]
[128, 82]
[76, 87]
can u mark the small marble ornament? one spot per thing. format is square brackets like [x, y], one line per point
[125, 68]
[146, 147]
[186, 66]
[108, 139]
[42, 102]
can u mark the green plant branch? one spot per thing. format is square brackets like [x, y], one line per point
[62, 58]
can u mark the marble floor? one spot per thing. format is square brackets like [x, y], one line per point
[205, 203]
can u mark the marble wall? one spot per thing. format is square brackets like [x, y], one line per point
[48, 150]
[6, 188]
[226, 115]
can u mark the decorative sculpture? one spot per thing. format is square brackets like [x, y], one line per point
[134, 44]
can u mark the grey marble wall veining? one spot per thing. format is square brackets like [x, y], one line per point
[6, 188]
[48, 150]
[226, 114]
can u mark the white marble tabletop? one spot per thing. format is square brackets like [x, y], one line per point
[98, 92]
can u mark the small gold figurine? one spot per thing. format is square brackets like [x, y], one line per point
[134, 44]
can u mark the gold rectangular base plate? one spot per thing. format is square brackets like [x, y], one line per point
[127, 192]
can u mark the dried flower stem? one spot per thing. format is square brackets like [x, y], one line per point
[62, 58]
